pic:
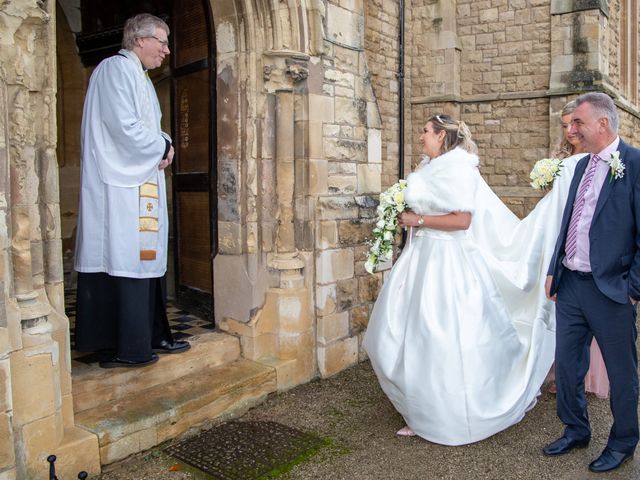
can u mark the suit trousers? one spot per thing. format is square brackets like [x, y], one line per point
[583, 312]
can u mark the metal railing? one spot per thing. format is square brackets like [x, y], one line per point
[52, 469]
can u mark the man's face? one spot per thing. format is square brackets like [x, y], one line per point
[588, 128]
[153, 50]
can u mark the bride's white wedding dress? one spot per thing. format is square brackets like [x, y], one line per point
[462, 336]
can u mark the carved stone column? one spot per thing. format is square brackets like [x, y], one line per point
[579, 53]
[286, 258]
[444, 44]
[281, 333]
[25, 228]
[579, 45]
[9, 317]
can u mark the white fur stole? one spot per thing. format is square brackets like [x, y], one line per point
[445, 184]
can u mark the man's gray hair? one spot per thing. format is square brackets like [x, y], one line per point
[603, 106]
[141, 26]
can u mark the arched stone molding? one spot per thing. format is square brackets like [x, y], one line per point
[299, 159]
[259, 294]
[261, 46]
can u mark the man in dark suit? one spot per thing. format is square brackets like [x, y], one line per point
[594, 277]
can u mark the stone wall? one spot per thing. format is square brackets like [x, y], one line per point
[296, 182]
[381, 33]
[505, 46]
[614, 35]
[351, 159]
[507, 67]
[36, 412]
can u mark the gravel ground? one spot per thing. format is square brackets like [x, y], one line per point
[351, 411]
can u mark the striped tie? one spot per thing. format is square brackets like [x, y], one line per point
[571, 245]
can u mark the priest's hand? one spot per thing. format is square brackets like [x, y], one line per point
[165, 162]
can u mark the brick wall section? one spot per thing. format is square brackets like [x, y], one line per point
[629, 128]
[422, 21]
[381, 45]
[614, 42]
[506, 45]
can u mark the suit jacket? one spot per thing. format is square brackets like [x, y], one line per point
[613, 236]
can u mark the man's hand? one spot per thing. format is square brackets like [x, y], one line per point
[547, 288]
[633, 302]
[165, 162]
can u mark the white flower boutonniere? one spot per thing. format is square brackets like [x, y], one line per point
[616, 166]
[544, 172]
[381, 247]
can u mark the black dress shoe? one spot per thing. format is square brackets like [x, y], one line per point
[609, 460]
[172, 347]
[564, 445]
[116, 362]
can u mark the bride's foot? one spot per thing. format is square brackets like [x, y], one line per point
[552, 388]
[405, 432]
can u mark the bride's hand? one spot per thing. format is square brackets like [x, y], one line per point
[408, 219]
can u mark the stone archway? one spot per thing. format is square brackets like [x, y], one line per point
[297, 165]
[302, 135]
[36, 404]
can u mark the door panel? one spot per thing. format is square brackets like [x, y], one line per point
[194, 179]
[195, 263]
[190, 22]
[193, 123]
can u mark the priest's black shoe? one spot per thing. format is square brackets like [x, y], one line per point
[116, 362]
[564, 445]
[172, 347]
[609, 460]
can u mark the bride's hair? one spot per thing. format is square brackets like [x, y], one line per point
[564, 149]
[457, 133]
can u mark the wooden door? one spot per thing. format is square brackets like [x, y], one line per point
[194, 179]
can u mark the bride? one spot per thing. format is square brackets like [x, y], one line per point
[462, 336]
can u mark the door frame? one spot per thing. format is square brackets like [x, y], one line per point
[196, 301]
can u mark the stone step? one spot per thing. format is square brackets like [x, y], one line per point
[93, 386]
[150, 417]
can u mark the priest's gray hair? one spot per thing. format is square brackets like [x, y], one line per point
[142, 25]
[603, 106]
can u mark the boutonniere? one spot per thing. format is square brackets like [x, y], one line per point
[616, 166]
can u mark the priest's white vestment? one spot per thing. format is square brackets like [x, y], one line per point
[122, 146]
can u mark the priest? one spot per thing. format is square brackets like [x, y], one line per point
[121, 248]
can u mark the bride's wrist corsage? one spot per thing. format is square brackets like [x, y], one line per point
[616, 167]
[381, 246]
[544, 172]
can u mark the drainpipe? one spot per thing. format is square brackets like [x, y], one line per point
[401, 107]
[401, 93]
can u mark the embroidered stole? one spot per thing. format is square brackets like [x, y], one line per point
[149, 222]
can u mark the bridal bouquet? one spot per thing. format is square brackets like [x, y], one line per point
[391, 204]
[544, 172]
